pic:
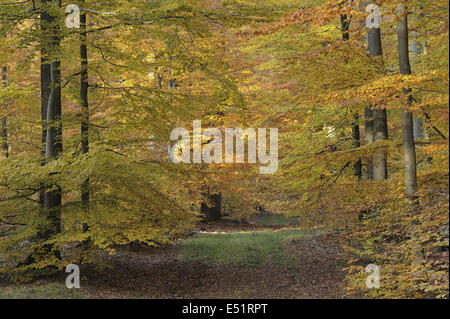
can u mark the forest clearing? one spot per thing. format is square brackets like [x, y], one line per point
[224, 149]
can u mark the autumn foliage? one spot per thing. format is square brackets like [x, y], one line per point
[157, 65]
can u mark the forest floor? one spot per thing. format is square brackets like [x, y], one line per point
[223, 260]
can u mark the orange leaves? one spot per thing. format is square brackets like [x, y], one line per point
[434, 148]
[301, 16]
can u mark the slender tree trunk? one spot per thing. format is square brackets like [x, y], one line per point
[407, 118]
[53, 197]
[45, 90]
[419, 133]
[45, 93]
[380, 132]
[410, 154]
[345, 26]
[84, 85]
[417, 48]
[4, 128]
[357, 167]
[368, 113]
[368, 132]
[4, 131]
[159, 79]
[45, 28]
[171, 82]
[53, 128]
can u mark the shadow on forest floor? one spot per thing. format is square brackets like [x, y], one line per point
[248, 261]
[269, 264]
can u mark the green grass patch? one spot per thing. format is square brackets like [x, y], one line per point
[40, 290]
[242, 249]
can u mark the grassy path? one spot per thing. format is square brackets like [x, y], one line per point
[286, 263]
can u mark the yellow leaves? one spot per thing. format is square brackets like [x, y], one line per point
[434, 148]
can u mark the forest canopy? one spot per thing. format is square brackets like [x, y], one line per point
[357, 90]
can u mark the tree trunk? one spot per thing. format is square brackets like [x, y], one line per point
[418, 128]
[374, 42]
[213, 213]
[4, 129]
[380, 132]
[379, 115]
[53, 129]
[45, 92]
[417, 49]
[410, 154]
[357, 167]
[345, 26]
[368, 131]
[407, 119]
[84, 85]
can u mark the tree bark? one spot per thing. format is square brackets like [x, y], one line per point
[51, 106]
[407, 118]
[374, 42]
[419, 133]
[345, 26]
[4, 128]
[356, 138]
[4, 131]
[45, 92]
[380, 131]
[417, 49]
[368, 132]
[213, 213]
[379, 115]
[84, 85]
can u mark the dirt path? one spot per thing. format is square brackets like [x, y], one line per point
[157, 273]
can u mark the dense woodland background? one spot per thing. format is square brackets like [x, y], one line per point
[362, 114]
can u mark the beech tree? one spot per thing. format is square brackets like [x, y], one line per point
[407, 117]
[51, 117]
[380, 127]
[4, 128]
